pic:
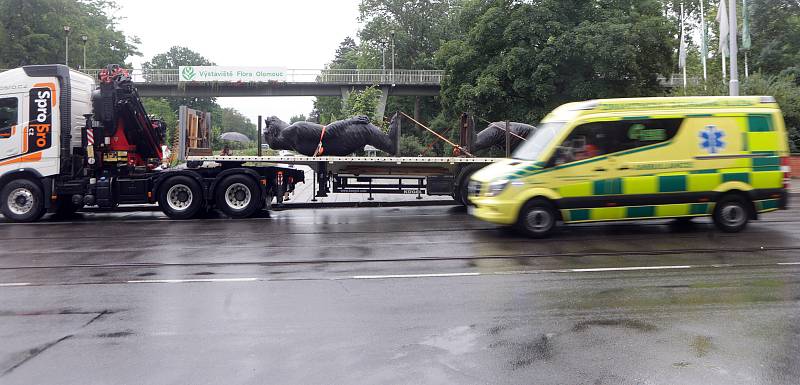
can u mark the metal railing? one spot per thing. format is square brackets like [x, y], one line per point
[676, 80]
[324, 76]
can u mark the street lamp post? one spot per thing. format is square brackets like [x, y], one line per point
[66, 45]
[84, 38]
[734, 81]
[392, 58]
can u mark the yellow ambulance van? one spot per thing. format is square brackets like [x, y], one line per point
[630, 159]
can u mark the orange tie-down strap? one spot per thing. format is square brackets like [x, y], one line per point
[320, 149]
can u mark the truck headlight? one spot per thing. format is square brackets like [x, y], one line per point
[496, 187]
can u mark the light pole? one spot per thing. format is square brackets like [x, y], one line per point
[84, 38]
[392, 58]
[734, 82]
[66, 45]
[383, 61]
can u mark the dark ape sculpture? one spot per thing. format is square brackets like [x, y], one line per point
[495, 135]
[342, 137]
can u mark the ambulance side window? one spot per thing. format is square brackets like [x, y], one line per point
[630, 134]
[585, 141]
[8, 116]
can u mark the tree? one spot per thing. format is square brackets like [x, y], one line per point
[181, 56]
[234, 121]
[775, 33]
[161, 109]
[519, 60]
[31, 32]
[329, 108]
[297, 118]
[363, 102]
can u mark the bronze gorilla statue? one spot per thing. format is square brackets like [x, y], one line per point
[342, 137]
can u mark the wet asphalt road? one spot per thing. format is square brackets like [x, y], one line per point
[407, 295]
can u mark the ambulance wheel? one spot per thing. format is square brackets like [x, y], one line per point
[180, 197]
[731, 214]
[238, 196]
[537, 219]
[22, 201]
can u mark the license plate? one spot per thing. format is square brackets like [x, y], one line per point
[471, 210]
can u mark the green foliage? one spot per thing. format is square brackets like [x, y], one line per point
[410, 145]
[234, 121]
[297, 118]
[775, 31]
[161, 109]
[363, 102]
[31, 32]
[181, 56]
[520, 60]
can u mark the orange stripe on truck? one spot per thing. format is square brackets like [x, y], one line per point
[35, 157]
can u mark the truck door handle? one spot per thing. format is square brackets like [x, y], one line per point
[624, 168]
[599, 169]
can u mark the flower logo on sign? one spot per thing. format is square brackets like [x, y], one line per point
[711, 139]
[187, 73]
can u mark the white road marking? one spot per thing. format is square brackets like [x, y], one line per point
[630, 268]
[395, 276]
[414, 275]
[248, 279]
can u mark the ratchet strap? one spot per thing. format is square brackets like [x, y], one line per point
[320, 149]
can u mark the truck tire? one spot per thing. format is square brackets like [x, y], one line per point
[22, 201]
[238, 196]
[731, 213]
[461, 194]
[537, 219]
[180, 197]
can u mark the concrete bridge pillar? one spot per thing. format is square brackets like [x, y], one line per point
[380, 109]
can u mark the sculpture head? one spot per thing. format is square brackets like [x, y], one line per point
[272, 128]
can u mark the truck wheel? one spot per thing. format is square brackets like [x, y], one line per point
[731, 214]
[537, 219]
[238, 196]
[461, 195]
[22, 201]
[180, 197]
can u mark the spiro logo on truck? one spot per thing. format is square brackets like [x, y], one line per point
[41, 114]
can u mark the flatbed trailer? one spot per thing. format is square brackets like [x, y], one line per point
[372, 174]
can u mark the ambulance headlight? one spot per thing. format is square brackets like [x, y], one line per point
[496, 187]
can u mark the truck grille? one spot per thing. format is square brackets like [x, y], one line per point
[474, 188]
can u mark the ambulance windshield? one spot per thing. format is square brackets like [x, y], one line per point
[539, 141]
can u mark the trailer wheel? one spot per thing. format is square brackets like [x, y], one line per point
[238, 196]
[180, 197]
[461, 195]
[22, 201]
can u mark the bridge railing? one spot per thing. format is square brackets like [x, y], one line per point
[325, 76]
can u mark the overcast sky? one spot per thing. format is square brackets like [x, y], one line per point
[297, 34]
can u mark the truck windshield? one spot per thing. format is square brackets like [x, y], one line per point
[533, 147]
